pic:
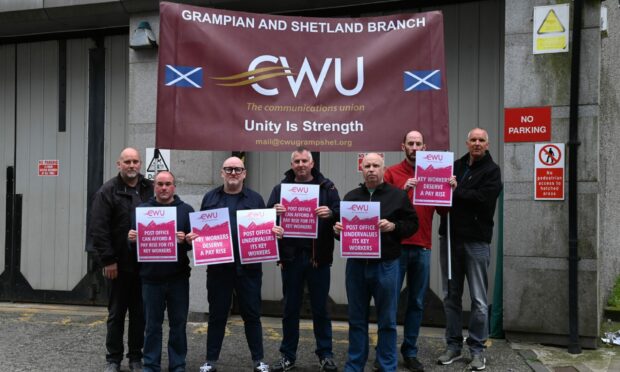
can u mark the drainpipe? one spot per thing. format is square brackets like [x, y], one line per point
[574, 346]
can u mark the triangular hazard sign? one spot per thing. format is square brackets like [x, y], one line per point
[158, 163]
[551, 24]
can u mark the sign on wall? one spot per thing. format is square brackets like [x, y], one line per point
[49, 168]
[241, 81]
[157, 160]
[527, 124]
[550, 33]
[549, 171]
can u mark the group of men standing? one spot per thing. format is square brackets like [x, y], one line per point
[406, 236]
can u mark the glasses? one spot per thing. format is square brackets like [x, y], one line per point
[231, 170]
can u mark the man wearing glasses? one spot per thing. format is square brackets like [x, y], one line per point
[306, 260]
[244, 280]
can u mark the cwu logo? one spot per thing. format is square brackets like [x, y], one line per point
[265, 67]
[299, 189]
[359, 208]
[155, 213]
[208, 216]
[434, 157]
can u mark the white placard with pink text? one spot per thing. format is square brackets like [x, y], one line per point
[360, 237]
[300, 201]
[257, 242]
[433, 171]
[157, 238]
[214, 242]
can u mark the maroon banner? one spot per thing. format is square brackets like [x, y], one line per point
[241, 81]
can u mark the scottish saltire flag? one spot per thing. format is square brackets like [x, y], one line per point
[422, 80]
[183, 76]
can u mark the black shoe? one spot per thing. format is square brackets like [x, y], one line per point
[375, 366]
[413, 364]
[328, 365]
[284, 364]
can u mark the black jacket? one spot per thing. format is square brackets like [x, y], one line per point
[111, 213]
[474, 200]
[395, 207]
[159, 272]
[323, 246]
[250, 199]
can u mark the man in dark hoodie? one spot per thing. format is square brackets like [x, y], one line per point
[166, 284]
[377, 278]
[113, 205]
[471, 229]
[305, 260]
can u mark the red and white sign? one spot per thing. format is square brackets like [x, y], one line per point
[433, 170]
[214, 243]
[549, 171]
[157, 238]
[360, 237]
[300, 201]
[257, 242]
[527, 124]
[48, 168]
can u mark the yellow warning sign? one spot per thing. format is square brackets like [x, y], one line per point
[551, 43]
[551, 24]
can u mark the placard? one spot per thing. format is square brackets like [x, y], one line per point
[214, 242]
[433, 171]
[157, 240]
[549, 171]
[257, 242]
[300, 201]
[360, 237]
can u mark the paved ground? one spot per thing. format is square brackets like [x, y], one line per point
[71, 338]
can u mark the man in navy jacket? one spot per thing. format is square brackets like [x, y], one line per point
[166, 284]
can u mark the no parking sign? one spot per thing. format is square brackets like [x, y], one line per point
[549, 171]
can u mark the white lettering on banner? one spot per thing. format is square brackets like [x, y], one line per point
[343, 128]
[218, 19]
[305, 72]
[401, 24]
[324, 27]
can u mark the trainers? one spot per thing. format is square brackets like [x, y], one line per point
[478, 362]
[449, 356]
[413, 364]
[207, 367]
[112, 367]
[261, 367]
[284, 364]
[135, 366]
[327, 365]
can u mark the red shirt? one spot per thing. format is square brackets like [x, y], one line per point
[397, 175]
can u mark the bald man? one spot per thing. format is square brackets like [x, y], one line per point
[244, 280]
[377, 278]
[113, 205]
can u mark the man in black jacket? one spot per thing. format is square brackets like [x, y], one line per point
[166, 284]
[306, 260]
[112, 208]
[377, 278]
[471, 229]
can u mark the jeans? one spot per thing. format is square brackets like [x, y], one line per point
[366, 279]
[294, 274]
[173, 295]
[415, 262]
[471, 260]
[221, 281]
[124, 295]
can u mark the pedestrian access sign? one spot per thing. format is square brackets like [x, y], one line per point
[549, 171]
[550, 33]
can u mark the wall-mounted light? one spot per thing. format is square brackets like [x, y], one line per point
[143, 37]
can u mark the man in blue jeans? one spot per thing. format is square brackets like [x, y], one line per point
[244, 280]
[377, 278]
[305, 260]
[166, 285]
[471, 229]
[416, 255]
